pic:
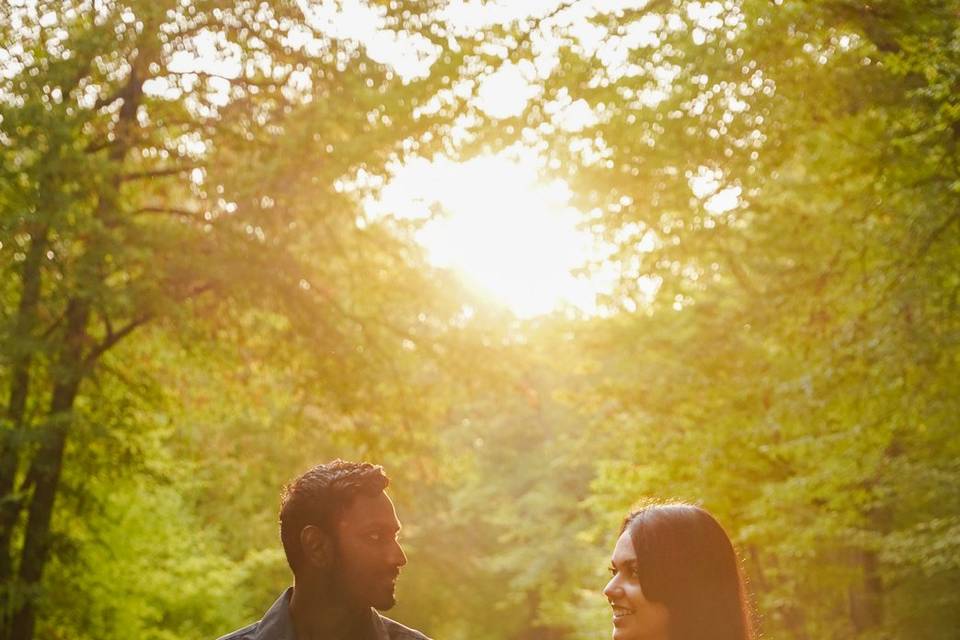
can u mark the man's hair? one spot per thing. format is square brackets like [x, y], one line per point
[319, 496]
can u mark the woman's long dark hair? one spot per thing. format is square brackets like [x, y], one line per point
[686, 562]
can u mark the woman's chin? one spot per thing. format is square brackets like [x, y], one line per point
[621, 630]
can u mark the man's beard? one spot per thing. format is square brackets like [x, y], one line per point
[378, 592]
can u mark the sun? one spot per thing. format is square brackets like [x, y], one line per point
[503, 230]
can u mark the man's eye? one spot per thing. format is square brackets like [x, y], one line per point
[374, 537]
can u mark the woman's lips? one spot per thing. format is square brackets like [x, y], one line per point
[620, 615]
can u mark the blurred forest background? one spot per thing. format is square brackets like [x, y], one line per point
[195, 307]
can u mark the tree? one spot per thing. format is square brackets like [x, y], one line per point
[180, 165]
[787, 177]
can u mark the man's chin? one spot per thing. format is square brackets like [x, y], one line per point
[385, 597]
[385, 602]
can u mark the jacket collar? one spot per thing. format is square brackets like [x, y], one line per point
[277, 624]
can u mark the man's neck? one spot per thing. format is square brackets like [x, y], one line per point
[318, 615]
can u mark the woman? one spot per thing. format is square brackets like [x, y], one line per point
[676, 577]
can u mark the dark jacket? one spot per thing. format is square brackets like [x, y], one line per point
[277, 625]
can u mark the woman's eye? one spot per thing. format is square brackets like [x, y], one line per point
[612, 571]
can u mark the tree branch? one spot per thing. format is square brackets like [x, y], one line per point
[108, 100]
[934, 235]
[236, 80]
[113, 337]
[184, 213]
[159, 173]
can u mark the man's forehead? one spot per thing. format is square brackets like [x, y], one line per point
[370, 510]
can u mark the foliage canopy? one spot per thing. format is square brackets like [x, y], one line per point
[194, 307]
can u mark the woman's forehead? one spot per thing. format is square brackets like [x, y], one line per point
[623, 551]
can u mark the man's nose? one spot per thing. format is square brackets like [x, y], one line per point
[397, 557]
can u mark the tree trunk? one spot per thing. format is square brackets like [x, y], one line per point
[45, 469]
[11, 432]
[12, 429]
[18, 618]
[866, 598]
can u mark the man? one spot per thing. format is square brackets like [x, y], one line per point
[339, 532]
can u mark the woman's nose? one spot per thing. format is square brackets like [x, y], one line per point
[612, 589]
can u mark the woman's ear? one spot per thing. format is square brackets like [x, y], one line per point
[317, 547]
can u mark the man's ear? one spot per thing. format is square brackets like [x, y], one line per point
[317, 547]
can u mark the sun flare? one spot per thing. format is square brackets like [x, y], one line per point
[502, 229]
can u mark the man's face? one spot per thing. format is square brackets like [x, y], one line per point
[369, 555]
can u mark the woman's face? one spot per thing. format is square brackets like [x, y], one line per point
[634, 617]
